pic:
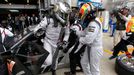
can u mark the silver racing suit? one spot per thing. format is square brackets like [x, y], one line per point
[51, 39]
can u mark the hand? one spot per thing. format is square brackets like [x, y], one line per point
[65, 50]
[64, 42]
[59, 45]
[62, 45]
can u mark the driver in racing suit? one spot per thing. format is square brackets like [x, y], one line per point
[53, 31]
[92, 37]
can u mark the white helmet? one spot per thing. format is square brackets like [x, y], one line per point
[61, 11]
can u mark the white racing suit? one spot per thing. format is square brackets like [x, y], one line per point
[51, 38]
[92, 37]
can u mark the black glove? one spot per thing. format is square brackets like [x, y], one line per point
[65, 50]
[62, 45]
[64, 42]
[59, 45]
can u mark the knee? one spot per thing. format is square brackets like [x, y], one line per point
[48, 61]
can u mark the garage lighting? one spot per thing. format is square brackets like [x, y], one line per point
[14, 10]
[27, 1]
[6, 0]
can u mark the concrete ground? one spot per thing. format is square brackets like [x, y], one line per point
[106, 67]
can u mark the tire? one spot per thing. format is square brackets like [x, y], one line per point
[122, 68]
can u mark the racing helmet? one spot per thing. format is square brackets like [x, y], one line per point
[61, 11]
[88, 12]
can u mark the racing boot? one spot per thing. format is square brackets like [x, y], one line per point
[69, 73]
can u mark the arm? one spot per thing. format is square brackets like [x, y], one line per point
[78, 30]
[124, 17]
[9, 33]
[42, 24]
[66, 37]
[80, 33]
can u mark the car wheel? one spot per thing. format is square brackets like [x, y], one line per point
[124, 65]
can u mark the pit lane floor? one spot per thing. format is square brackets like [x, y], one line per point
[107, 66]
